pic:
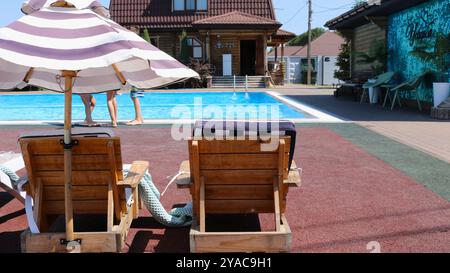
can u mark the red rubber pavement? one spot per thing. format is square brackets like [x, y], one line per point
[348, 198]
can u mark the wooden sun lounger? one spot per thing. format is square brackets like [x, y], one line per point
[98, 188]
[236, 177]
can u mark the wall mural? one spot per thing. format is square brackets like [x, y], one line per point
[409, 29]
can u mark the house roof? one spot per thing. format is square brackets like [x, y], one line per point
[157, 14]
[327, 44]
[359, 15]
[236, 19]
[285, 34]
[288, 51]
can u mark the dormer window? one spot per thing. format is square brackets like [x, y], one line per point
[189, 5]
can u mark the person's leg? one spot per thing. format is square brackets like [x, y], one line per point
[88, 109]
[138, 120]
[112, 107]
[93, 103]
[138, 113]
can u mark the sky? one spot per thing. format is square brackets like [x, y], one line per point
[292, 14]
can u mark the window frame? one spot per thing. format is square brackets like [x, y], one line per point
[178, 10]
[185, 6]
[191, 47]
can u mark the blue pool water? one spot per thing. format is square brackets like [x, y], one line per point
[154, 106]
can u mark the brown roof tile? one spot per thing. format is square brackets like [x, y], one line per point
[236, 19]
[158, 13]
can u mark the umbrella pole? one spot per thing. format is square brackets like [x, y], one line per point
[68, 75]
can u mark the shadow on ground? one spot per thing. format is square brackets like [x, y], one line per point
[348, 109]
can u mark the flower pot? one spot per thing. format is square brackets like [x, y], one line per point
[441, 91]
[373, 94]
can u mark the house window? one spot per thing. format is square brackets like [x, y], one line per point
[202, 4]
[178, 5]
[190, 5]
[196, 48]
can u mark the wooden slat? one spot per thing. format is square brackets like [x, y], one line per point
[110, 213]
[276, 201]
[241, 192]
[54, 178]
[238, 161]
[37, 209]
[238, 177]
[135, 174]
[294, 179]
[118, 206]
[81, 207]
[94, 242]
[87, 145]
[239, 206]
[79, 162]
[202, 205]
[265, 241]
[234, 146]
[196, 174]
[56, 193]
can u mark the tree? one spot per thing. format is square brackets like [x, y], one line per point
[146, 35]
[302, 39]
[376, 57]
[343, 62]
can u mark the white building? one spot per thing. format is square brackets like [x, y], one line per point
[324, 52]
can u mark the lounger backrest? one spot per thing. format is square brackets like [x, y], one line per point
[239, 177]
[96, 164]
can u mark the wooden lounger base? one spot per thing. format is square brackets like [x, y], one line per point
[265, 241]
[91, 242]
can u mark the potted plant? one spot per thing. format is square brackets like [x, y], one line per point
[439, 58]
[376, 58]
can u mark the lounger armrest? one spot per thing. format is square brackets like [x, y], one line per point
[135, 174]
[183, 179]
[294, 179]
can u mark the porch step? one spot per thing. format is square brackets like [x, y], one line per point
[228, 81]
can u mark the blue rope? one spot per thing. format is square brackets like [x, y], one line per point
[178, 217]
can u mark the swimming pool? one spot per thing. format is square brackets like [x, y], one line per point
[155, 106]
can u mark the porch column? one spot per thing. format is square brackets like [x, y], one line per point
[266, 64]
[208, 48]
[276, 53]
[283, 64]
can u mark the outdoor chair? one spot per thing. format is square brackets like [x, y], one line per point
[409, 86]
[378, 81]
[237, 176]
[99, 188]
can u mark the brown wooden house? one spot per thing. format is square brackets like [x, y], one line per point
[232, 35]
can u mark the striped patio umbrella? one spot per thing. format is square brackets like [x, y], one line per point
[73, 47]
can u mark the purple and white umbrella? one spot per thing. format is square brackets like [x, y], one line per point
[106, 55]
[73, 47]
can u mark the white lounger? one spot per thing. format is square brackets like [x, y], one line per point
[14, 162]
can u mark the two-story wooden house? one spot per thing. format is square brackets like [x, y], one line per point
[232, 35]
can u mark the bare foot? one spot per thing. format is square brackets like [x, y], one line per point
[134, 122]
[89, 124]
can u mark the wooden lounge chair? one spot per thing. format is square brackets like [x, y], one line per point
[378, 82]
[98, 189]
[237, 177]
[408, 86]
